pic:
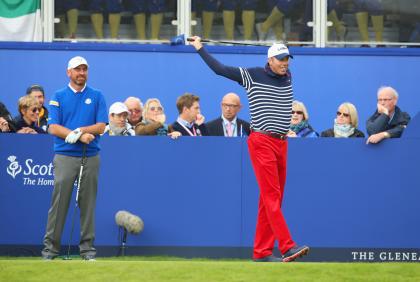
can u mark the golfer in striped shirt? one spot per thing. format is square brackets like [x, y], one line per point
[270, 96]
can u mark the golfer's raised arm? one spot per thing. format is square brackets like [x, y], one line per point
[232, 73]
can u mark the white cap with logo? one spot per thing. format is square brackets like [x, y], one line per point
[279, 51]
[118, 108]
[76, 61]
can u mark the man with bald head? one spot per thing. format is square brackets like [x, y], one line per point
[229, 124]
[135, 109]
[388, 121]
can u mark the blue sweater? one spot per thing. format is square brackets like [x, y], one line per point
[73, 110]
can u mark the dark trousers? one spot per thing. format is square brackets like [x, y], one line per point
[66, 171]
[269, 160]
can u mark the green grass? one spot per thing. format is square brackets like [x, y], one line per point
[176, 269]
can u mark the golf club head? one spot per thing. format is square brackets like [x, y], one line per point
[67, 258]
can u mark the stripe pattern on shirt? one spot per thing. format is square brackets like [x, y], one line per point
[270, 106]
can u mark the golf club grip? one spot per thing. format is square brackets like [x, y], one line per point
[190, 39]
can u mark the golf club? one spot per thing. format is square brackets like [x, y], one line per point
[191, 39]
[181, 40]
[67, 257]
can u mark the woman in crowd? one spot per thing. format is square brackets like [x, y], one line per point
[299, 125]
[154, 121]
[345, 125]
[29, 109]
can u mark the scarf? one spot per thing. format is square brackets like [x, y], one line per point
[298, 127]
[162, 131]
[342, 130]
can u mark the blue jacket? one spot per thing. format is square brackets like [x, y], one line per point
[307, 132]
[381, 122]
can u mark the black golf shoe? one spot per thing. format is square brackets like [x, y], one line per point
[295, 252]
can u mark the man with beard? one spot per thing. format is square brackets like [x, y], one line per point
[118, 125]
[77, 118]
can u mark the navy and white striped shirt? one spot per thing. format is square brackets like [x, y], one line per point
[270, 95]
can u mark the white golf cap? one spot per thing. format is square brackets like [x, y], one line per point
[76, 61]
[279, 51]
[118, 108]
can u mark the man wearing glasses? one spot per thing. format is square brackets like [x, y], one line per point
[270, 95]
[388, 121]
[229, 125]
[135, 109]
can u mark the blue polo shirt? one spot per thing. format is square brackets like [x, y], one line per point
[77, 109]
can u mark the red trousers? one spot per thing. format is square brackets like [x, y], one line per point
[269, 159]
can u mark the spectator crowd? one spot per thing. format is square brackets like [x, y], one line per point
[131, 118]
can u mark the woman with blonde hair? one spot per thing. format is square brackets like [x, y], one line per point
[345, 124]
[29, 109]
[154, 121]
[299, 124]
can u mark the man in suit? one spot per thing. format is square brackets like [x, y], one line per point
[190, 121]
[229, 124]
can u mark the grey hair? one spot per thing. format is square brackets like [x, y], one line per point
[135, 99]
[393, 91]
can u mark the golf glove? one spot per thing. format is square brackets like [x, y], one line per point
[73, 136]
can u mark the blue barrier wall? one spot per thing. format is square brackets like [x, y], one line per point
[343, 197]
[323, 77]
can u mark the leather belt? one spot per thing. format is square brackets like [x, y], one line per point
[271, 134]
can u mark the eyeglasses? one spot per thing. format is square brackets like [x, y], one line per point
[135, 111]
[34, 110]
[297, 112]
[229, 105]
[342, 114]
[384, 100]
[156, 109]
